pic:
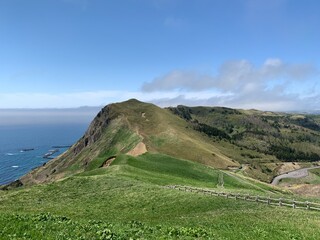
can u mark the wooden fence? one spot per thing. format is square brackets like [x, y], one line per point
[282, 202]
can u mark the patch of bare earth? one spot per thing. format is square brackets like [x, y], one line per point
[108, 162]
[138, 150]
[143, 115]
[310, 190]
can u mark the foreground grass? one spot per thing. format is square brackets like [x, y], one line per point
[128, 200]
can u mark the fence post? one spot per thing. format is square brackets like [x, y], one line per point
[268, 200]
[280, 202]
[257, 198]
[294, 204]
[308, 205]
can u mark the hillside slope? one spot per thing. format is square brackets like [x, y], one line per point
[265, 143]
[109, 187]
[256, 144]
[131, 127]
[130, 200]
[289, 137]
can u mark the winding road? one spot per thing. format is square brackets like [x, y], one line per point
[300, 173]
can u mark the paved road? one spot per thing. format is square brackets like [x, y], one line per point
[300, 173]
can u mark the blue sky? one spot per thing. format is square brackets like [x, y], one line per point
[236, 53]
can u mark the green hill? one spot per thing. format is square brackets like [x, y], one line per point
[128, 200]
[263, 142]
[258, 144]
[113, 183]
[119, 128]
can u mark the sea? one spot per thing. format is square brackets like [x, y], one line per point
[23, 147]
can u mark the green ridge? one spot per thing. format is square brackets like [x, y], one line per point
[76, 197]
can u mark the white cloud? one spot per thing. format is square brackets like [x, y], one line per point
[271, 102]
[178, 80]
[98, 98]
[233, 76]
[273, 99]
[274, 85]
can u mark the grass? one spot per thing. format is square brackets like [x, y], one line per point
[315, 171]
[121, 126]
[127, 200]
[164, 132]
[165, 170]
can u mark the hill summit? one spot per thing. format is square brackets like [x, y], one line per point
[131, 127]
[256, 143]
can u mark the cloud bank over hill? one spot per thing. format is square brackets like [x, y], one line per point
[233, 76]
[274, 85]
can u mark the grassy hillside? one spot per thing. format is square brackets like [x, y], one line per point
[261, 141]
[128, 200]
[288, 137]
[253, 143]
[118, 128]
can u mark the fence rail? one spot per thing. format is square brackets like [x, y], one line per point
[282, 202]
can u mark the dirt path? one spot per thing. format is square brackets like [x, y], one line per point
[300, 173]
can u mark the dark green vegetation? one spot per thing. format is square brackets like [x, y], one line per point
[128, 200]
[275, 133]
[260, 139]
[111, 183]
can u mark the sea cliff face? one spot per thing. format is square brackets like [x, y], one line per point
[94, 131]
